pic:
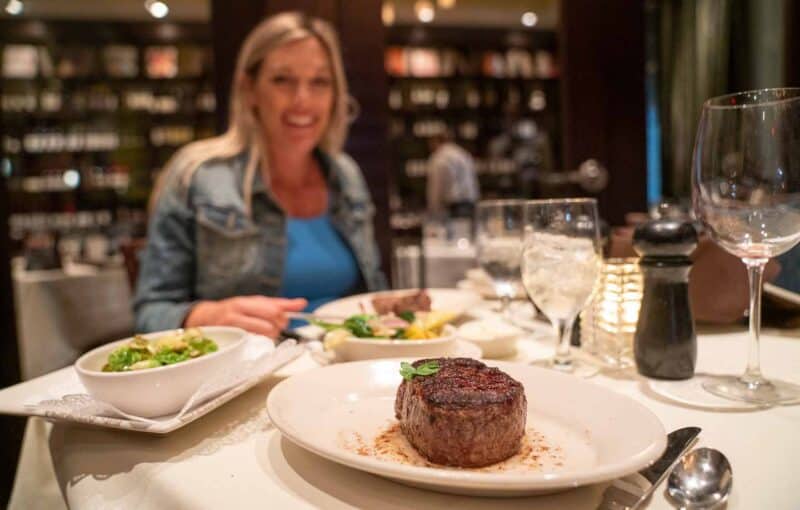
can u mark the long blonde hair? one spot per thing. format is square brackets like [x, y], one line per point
[244, 130]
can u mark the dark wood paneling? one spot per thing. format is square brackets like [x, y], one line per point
[603, 97]
[231, 21]
[362, 36]
[326, 9]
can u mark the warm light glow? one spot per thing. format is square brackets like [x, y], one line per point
[614, 311]
[14, 7]
[446, 4]
[387, 13]
[156, 8]
[71, 178]
[529, 18]
[424, 11]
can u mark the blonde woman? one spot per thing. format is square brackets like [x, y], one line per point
[270, 216]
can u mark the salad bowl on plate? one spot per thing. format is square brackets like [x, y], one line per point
[155, 374]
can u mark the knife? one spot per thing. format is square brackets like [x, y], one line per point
[631, 491]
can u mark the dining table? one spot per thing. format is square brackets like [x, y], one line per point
[234, 457]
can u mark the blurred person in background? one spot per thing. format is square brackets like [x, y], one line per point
[271, 216]
[452, 188]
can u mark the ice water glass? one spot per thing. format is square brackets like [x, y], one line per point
[498, 239]
[561, 262]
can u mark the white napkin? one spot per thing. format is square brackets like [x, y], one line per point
[259, 361]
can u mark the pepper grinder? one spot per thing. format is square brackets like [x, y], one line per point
[665, 344]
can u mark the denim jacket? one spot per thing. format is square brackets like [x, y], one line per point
[203, 246]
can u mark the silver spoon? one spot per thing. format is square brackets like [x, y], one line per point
[702, 479]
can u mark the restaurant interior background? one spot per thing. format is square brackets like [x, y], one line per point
[97, 95]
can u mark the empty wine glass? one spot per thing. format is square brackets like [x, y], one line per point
[746, 191]
[561, 262]
[499, 245]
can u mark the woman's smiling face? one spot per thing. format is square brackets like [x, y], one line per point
[293, 93]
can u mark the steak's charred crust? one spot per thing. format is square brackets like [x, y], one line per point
[464, 382]
[467, 414]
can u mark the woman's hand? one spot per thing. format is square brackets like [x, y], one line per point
[257, 314]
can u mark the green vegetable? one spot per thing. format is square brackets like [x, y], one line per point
[407, 316]
[202, 346]
[141, 353]
[327, 326]
[171, 357]
[408, 371]
[123, 357]
[358, 325]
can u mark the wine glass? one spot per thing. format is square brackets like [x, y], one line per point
[499, 244]
[561, 262]
[746, 191]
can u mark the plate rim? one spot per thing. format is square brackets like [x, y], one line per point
[366, 295]
[470, 479]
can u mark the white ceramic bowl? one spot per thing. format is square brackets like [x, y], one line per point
[496, 338]
[162, 390]
[356, 349]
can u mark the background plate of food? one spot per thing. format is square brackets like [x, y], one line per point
[391, 324]
[454, 301]
[565, 439]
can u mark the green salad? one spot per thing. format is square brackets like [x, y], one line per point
[141, 353]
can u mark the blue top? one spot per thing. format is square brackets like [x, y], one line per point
[319, 264]
[204, 243]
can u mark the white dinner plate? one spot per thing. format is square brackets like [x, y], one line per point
[578, 432]
[690, 392]
[314, 357]
[449, 300]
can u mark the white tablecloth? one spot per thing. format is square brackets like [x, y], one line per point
[234, 458]
[61, 314]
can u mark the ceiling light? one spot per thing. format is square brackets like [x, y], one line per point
[14, 7]
[424, 11]
[156, 8]
[529, 18]
[446, 4]
[387, 13]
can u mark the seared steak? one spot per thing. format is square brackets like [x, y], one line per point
[417, 301]
[466, 414]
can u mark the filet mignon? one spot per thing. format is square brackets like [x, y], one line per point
[465, 415]
[418, 301]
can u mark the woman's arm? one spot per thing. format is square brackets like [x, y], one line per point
[165, 288]
[165, 297]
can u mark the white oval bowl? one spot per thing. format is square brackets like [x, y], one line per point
[162, 390]
[495, 338]
[356, 349]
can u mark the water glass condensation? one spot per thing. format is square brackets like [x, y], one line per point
[561, 261]
[498, 241]
[746, 191]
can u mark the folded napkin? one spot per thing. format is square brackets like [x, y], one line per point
[259, 360]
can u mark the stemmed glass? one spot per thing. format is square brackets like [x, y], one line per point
[561, 262]
[746, 191]
[499, 244]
